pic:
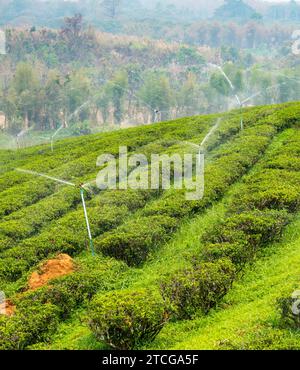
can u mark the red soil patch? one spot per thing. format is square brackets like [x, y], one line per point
[7, 308]
[60, 266]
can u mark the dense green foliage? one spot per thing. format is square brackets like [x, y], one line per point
[126, 319]
[81, 80]
[131, 293]
[197, 289]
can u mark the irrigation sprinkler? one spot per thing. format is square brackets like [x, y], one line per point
[243, 102]
[82, 187]
[201, 150]
[53, 136]
[62, 126]
[239, 102]
[21, 134]
[201, 147]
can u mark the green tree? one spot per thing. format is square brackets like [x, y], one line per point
[76, 96]
[189, 95]
[25, 86]
[102, 102]
[157, 93]
[53, 100]
[219, 83]
[117, 90]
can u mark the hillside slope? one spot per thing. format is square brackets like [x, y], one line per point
[164, 266]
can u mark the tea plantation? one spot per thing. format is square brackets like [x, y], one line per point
[215, 273]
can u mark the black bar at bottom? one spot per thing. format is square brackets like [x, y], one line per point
[135, 359]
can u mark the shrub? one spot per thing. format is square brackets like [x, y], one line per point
[93, 274]
[240, 236]
[239, 253]
[126, 319]
[197, 289]
[256, 227]
[132, 199]
[133, 241]
[11, 268]
[5, 242]
[31, 324]
[267, 189]
[173, 204]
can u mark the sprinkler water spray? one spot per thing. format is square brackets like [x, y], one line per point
[239, 102]
[22, 134]
[53, 136]
[82, 187]
[201, 151]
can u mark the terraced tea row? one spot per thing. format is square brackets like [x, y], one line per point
[132, 225]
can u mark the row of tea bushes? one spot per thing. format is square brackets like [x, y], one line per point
[288, 158]
[258, 212]
[134, 241]
[29, 220]
[127, 319]
[240, 236]
[199, 288]
[31, 191]
[68, 234]
[41, 213]
[38, 312]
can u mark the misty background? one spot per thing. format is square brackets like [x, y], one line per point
[76, 67]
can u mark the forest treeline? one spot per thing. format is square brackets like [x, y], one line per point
[231, 25]
[77, 74]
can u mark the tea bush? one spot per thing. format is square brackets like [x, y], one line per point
[127, 319]
[240, 236]
[133, 241]
[267, 189]
[197, 289]
[91, 276]
[31, 324]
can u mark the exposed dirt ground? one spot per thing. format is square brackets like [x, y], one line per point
[57, 267]
[60, 266]
[7, 308]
